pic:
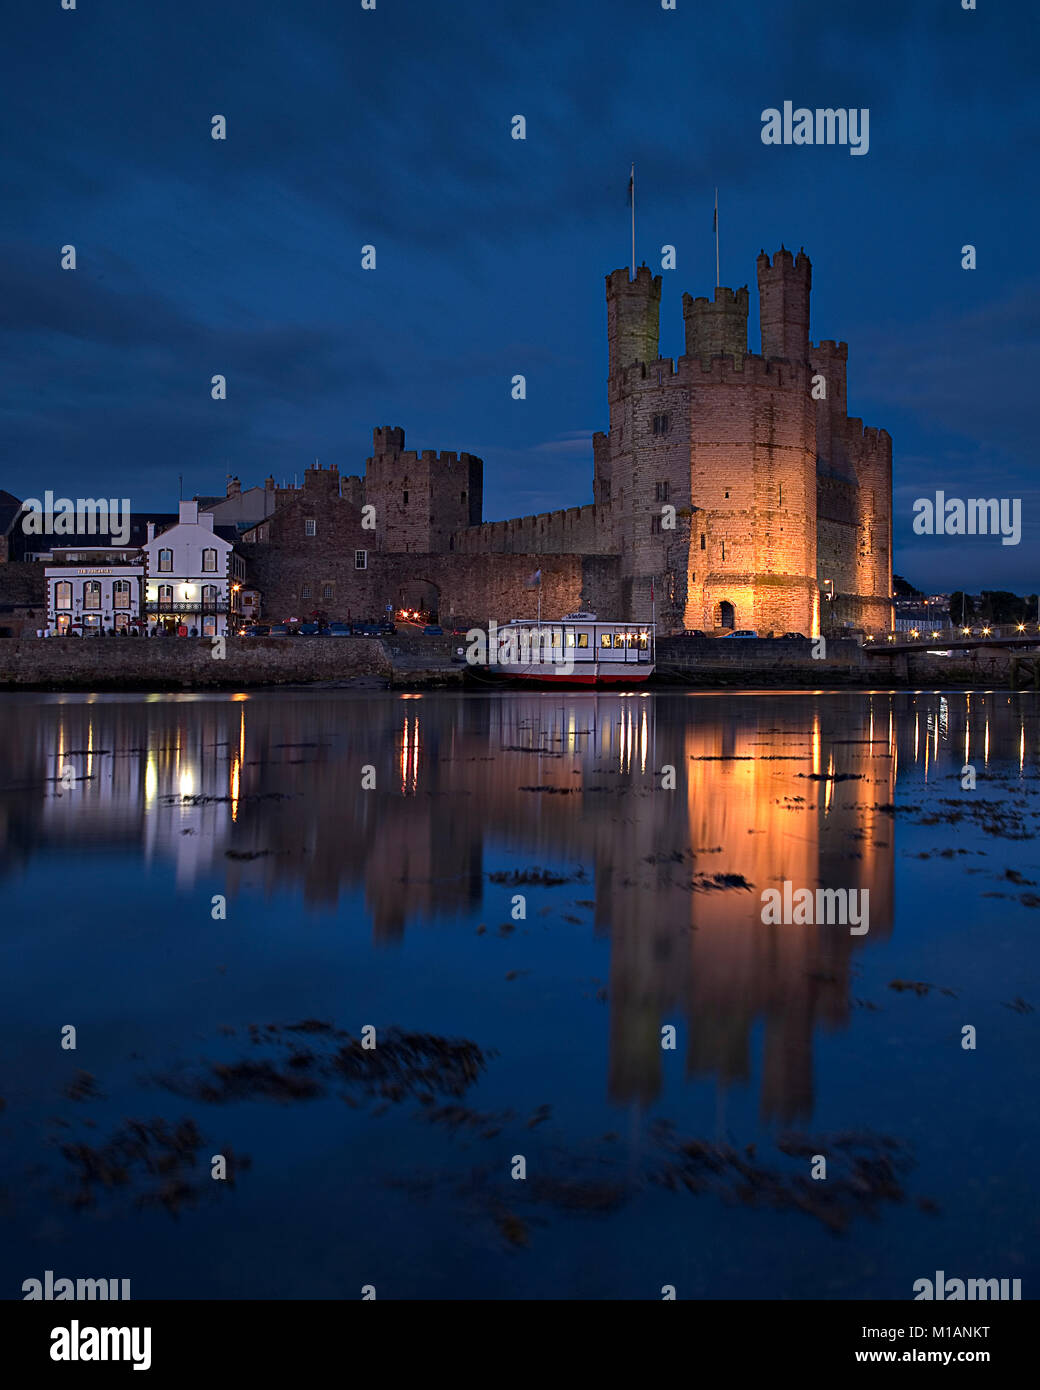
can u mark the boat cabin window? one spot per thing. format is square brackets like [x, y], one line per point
[583, 639]
[605, 639]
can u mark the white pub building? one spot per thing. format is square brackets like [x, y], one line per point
[93, 592]
[193, 578]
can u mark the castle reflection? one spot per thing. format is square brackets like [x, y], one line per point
[652, 796]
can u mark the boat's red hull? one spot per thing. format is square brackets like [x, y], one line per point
[636, 675]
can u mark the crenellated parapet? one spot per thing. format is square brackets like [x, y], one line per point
[716, 327]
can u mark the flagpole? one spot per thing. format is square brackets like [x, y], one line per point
[633, 186]
[716, 238]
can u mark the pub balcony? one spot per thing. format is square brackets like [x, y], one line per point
[169, 605]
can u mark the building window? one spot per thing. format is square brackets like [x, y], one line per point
[209, 562]
[305, 592]
[261, 535]
[122, 620]
[165, 561]
[660, 492]
[63, 594]
[661, 424]
[92, 594]
[406, 497]
[310, 527]
[166, 595]
[727, 494]
[655, 525]
[209, 596]
[121, 593]
[462, 497]
[702, 540]
[326, 591]
[361, 559]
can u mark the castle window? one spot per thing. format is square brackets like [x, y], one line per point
[462, 497]
[326, 591]
[310, 526]
[781, 494]
[655, 525]
[702, 540]
[405, 497]
[660, 492]
[724, 550]
[661, 424]
[361, 559]
[727, 494]
[305, 592]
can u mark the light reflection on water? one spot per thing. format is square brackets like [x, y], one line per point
[337, 823]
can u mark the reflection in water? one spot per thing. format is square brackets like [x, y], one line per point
[651, 795]
[370, 848]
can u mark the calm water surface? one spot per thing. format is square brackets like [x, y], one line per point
[639, 833]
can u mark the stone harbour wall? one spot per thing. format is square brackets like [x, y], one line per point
[174, 663]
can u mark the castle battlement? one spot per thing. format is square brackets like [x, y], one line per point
[870, 439]
[387, 439]
[724, 298]
[783, 260]
[644, 282]
[829, 348]
[776, 373]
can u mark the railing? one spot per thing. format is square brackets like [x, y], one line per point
[174, 606]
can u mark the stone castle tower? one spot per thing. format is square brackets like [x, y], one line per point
[776, 494]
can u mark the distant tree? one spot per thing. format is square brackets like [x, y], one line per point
[902, 589]
[1000, 606]
[962, 608]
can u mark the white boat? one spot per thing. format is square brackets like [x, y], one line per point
[578, 649]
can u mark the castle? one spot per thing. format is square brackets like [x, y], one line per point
[733, 483]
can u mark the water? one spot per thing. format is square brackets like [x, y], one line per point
[125, 820]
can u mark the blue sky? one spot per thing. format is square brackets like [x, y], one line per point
[392, 127]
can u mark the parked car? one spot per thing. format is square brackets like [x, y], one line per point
[741, 632]
[693, 632]
[280, 630]
[433, 630]
[366, 629]
[257, 630]
[792, 637]
[308, 629]
[339, 630]
[387, 628]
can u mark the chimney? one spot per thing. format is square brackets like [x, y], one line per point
[269, 485]
[151, 531]
[188, 513]
[234, 487]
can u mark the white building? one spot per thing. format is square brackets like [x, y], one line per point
[193, 577]
[94, 591]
